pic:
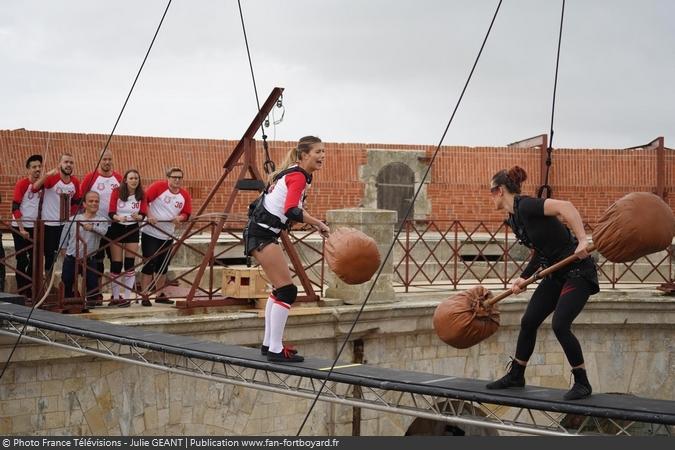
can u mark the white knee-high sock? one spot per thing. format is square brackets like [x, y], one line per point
[277, 324]
[115, 287]
[129, 282]
[268, 319]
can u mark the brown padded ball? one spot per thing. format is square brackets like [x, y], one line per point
[636, 225]
[352, 255]
[460, 321]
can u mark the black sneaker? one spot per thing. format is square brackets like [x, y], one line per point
[162, 298]
[97, 298]
[264, 349]
[116, 301]
[581, 388]
[514, 378]
[284, 355]
[146, 302]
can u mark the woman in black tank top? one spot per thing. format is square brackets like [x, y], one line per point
[537, 225]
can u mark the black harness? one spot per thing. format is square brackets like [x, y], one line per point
[516, 223]
[256, 210]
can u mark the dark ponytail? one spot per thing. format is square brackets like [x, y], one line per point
[511, 179]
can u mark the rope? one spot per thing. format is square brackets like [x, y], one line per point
[71, 221]
[549, 151]
[268, 165]
[400, 227]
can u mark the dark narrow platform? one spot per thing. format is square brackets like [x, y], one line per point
[615, 406]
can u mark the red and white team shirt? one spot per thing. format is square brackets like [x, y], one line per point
[53, 188]
[165, 205]
[96, 182]
[285, 193]
[25, 204]
[130, 207]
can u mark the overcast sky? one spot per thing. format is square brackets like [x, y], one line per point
[353, 70]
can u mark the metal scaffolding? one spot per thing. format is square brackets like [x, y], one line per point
[356, 385]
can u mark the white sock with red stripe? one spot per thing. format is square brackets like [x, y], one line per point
[268, 319]
[129, 282]
[277, 324]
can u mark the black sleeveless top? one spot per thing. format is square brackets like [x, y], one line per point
[550, 239]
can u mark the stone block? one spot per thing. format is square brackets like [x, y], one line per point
[5, 425]
[95, 418]
[162, 390]
[151, 418]
[25, 373]
[138, 425]
[10, 407]
[49, 404]
[28, 405]
[52, 387]
[554, 358]
[547, 369]
[163, 418]
[44, 372]
[186, 414]
[55, 419]
[23, 424]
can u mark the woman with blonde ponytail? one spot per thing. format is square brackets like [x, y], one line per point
[282, 202]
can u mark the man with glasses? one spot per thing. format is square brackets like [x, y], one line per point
[168, 205]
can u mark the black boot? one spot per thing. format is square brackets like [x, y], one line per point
[581, 388]
[515, 377]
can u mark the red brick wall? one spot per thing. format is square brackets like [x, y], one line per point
[592, 179]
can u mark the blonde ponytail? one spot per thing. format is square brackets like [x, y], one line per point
[290, 159]
[293, 156]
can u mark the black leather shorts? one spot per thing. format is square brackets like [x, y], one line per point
[257, 238]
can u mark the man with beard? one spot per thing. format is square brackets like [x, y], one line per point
[57, 183]
[102, 181]
[25, 204]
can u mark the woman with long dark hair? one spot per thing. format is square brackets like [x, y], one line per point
[127, 208]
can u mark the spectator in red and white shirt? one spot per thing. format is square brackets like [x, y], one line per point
[128, 206]
[168, 205]
[56, 183]
[102, 181]
[25, 204]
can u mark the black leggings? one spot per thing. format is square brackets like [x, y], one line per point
[565, 299]
[24, 261]
[159, 253]
[51, 246]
